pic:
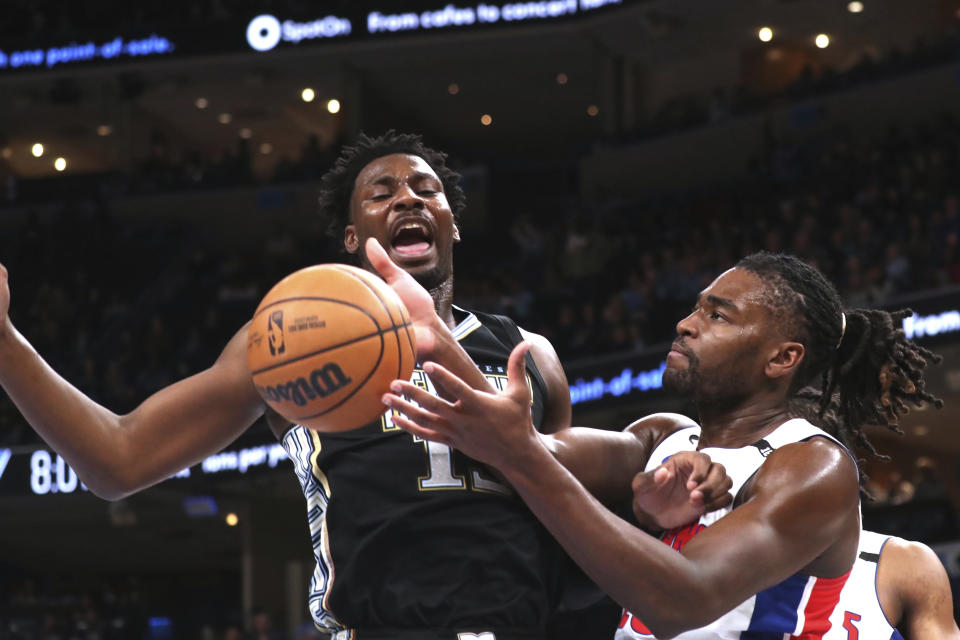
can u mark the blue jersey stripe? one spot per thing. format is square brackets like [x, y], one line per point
[776, 607]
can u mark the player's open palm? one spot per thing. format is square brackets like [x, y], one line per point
[687, 485]
[494, 428]
[417, 300]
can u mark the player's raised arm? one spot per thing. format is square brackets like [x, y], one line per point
[118, 454]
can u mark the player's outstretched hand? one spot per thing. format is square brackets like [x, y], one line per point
[418, 301]
[494, 428]
[679, 491]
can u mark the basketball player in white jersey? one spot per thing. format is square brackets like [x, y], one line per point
[896, 587]
[767, 353]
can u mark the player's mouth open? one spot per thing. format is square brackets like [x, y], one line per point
[412, 239]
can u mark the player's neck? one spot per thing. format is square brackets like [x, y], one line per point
[732, 427]
[442, 295]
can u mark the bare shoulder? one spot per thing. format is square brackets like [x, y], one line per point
[542, 349]
[811, 467]
[907, 557]
[558, 412]
[914, 590]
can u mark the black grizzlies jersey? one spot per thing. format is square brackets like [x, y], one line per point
[410, 534]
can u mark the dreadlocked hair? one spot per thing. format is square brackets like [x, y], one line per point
[336, 185]
[864, 373]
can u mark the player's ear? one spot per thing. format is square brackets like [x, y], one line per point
[350, 240]
[785, 360]
[456, 233]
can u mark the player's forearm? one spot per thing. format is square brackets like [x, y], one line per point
[86, 434]
[648, 578]
[117, 455]
[603, 461]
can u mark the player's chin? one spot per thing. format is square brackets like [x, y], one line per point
[676, 379]
[430, 275]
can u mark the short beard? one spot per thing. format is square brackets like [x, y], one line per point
[681, 382]
[720, 389]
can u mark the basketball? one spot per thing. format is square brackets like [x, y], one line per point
[325, 343]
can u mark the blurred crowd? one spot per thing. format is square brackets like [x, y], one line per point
[133, 606]
[699, 108]
[149, 304]
[879, 215]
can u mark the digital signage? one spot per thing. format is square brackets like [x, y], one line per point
[267, 32]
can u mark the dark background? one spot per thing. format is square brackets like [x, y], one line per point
[634, 151]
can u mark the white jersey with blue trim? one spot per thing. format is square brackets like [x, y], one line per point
[800, 606]
[858, 615]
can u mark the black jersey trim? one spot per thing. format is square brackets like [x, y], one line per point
[870, 557]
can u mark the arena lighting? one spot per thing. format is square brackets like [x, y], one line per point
[37, 150]
[60, 164]
[246, 133]
[486, 120]
[822, 41]
[855, 7]
[266, 148]
[921, 430]
[232, 520]
[562, 78]
[46, 473]
[224, 118]
[117, 48]
[7, 153]
[308, 94]
[917, 326]
[453, 89]
[593, 110]
[266, 32]
[625, 382]
[333, 105]
[104, 130]
[765, 34]
[202, 103]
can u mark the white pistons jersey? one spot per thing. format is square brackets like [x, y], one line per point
[859, 615]
[800, 606]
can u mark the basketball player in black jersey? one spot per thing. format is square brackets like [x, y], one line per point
[411, 539]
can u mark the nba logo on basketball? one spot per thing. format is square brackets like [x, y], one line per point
[275, 332]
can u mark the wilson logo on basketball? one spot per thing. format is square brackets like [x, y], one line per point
[320, 383]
